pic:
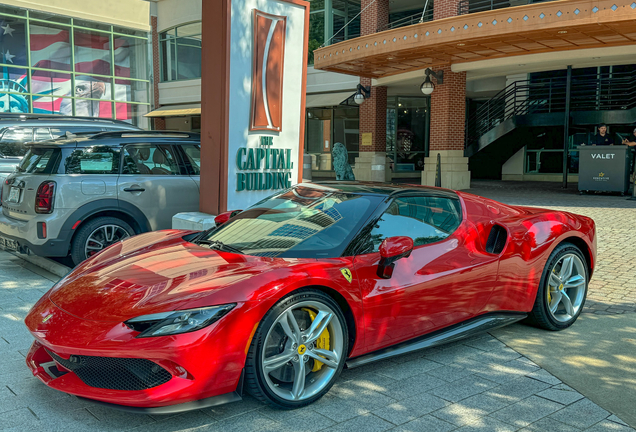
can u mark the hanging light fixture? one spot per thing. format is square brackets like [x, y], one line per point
[362, 94]
[427, 86]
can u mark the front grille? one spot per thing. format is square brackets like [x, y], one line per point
[115, 373]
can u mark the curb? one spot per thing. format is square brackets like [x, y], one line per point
[44, 263]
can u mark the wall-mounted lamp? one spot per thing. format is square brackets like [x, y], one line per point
[362, 94]
[427, 86]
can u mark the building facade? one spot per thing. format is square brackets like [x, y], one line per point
[76, 58]
[511, 73]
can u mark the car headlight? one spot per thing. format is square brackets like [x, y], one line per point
[176, 322]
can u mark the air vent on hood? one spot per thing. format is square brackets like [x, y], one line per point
[496, 239]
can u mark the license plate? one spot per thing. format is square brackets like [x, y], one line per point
[8, 244]
[14, 195]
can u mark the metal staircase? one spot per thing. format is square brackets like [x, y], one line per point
[600, 97]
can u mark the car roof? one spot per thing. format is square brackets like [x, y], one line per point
[43, 120]
[118, 138]
[382, 189]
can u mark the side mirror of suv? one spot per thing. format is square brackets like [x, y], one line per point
[224, 217]
[391, 250]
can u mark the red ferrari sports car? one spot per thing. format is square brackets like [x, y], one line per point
[281, 297]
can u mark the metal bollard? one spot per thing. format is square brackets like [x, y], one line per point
[307, 172]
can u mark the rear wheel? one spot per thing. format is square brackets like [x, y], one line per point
[563, 289]
[98, 234]
[298, 351]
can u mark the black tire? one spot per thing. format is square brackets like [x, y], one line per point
[78, 252]
[255, 380]
[540, 316]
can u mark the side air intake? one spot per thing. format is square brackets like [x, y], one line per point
[496, 240]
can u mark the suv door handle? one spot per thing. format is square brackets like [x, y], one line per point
[134, 190]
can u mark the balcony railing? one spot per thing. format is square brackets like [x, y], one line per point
[416, 18]
[473, 6]
[592, 92]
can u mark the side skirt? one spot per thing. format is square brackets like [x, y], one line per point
[453, 333]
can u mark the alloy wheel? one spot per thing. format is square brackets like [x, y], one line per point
[102, 237]
[303, 350]
[566, 288]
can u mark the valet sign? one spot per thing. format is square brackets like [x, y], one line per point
[268, 64]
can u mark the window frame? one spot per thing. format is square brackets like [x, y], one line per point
[169, 40]
[175, 151]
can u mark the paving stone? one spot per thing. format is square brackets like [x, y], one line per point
[545, 376]
[509, 371]
[609, 426]
[485, 343]
[189, 421]
[425, 424]
[450, 373]
[405, 370]
[581, 414]
[518, 389]
[526, 411]
[484, 403]
[224, 412]
[561, 394]
[487, 424]
[549, 425]
[411, 386]
[410, 409]
[366, 423]
[469, 386]
[298, 420]
[615, 419]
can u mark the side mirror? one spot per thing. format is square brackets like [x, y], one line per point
[224, 217]
[391, 250]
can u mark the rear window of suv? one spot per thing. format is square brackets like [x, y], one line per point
[39, 160]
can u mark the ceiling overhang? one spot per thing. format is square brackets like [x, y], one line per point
[530, 29]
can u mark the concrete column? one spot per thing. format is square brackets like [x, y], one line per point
[159, 123]
[448, 119]
[372, 164]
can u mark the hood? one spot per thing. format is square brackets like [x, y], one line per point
[152, 273]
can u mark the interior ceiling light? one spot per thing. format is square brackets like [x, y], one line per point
[563, 32]
[461, 44]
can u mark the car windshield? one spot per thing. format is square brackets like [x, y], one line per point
[299, 223]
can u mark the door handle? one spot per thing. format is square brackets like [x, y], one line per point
[134, 190]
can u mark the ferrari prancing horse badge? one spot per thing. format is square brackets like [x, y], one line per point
[347, 274]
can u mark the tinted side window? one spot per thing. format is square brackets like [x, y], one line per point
[93, 160]
[150, 159]
[40, 161]
[13, 139]
[424, 219]
[193, 157]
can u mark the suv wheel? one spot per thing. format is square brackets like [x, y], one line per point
[97, 235]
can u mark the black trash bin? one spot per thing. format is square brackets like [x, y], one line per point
[604, 168]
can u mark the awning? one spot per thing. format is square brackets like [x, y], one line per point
[327, 99]
[175, 110]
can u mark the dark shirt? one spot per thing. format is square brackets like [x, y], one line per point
[602, 140]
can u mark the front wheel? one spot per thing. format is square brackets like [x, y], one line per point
[562, 291]
[298, 350]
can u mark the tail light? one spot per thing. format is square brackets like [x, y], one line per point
[45, 197]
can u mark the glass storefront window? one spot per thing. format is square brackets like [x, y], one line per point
[131, 57]
[327, 126]
[47, 80]
[407, 129]
[181, 52]
[92, 52]
[42, 37]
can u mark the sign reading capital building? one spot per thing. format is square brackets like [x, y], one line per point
[267, 73]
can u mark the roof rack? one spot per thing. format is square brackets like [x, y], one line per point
[35, 116]
[145, 133]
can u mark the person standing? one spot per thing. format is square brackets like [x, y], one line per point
[602, 137]
[631, 143]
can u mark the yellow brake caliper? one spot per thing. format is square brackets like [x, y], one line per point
[322, 342]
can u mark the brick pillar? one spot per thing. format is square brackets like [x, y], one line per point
[448, 112]
[159, 123]
[372, 164]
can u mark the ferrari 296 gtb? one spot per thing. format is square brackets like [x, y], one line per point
[279, 298]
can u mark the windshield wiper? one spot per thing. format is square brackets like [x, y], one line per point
[215, 244]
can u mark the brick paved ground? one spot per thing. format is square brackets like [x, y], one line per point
[477, 385]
